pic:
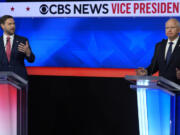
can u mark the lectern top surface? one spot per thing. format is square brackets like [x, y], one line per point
[155, 80]
[11, 77]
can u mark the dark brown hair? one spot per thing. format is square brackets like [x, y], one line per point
[4, 18]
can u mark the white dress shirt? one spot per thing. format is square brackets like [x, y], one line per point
[5, 40]
[173, 46]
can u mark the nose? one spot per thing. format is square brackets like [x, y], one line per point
[169, 29]
[12, 26]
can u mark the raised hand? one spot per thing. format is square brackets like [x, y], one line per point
[24, 48]
[141, 71]
[178, 73]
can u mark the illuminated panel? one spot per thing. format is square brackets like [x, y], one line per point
[88, 72]
[142, 108]
[154, 111]
[8, 110]
[159, 105]
[178, 115]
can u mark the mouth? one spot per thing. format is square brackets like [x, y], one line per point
[11, 31]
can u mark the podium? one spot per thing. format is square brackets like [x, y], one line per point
[158, 102]
[13, 104]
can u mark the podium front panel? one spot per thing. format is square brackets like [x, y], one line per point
[155, 111]
[13, 110]
[8, 110]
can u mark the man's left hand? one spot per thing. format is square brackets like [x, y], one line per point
[24, 48]
[178, 73]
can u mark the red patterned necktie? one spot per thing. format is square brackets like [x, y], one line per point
[8, 48]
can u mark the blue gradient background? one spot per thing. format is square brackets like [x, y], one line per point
[92, 42]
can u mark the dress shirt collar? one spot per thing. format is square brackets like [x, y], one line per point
[5, 39]
[174, 41]
[5, 36]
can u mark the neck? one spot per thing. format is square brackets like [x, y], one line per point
[173, 38]
[7, 34]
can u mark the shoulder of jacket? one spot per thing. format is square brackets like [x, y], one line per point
[163, 42]
[21, 37]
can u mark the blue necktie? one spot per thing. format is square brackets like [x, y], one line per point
[169, 52]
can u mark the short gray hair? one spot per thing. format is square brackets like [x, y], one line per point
[174, 19]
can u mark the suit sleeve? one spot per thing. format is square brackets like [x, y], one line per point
[153, 67]
[31, 58]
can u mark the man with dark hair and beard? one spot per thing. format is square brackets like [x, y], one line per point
[13, 49]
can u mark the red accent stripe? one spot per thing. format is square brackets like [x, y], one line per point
[88, 72]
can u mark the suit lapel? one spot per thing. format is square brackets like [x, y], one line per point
[175, 51]
[163, 51]
[13, 49]
[3, 49]
[2, 43]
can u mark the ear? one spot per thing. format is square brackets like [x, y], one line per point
[178, 29]
[2, 26]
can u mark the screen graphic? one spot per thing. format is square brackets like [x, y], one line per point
[92, 42]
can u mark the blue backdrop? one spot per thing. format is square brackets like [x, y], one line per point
[92, 42]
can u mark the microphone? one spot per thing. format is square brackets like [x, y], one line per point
[156, 55]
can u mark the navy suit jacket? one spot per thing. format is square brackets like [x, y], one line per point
[16, 63]
[158, 62]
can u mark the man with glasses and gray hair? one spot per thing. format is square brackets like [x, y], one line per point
[166, 57]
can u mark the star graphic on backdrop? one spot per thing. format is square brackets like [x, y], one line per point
[12, 8]
[100, 53]
[28, 8]
[94, 54]
[137, 39]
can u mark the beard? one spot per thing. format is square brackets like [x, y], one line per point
[10, 32]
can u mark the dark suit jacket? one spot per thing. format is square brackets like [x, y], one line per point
[16, 63]
[158, 62]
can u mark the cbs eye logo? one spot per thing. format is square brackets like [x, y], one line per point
[43, 9]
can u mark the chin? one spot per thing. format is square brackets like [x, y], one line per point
[172, 37]
[11, 33]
